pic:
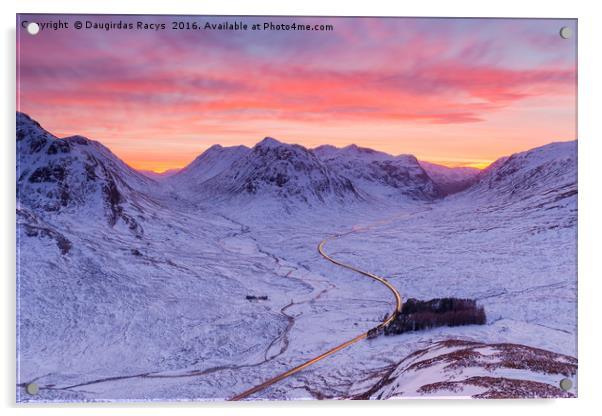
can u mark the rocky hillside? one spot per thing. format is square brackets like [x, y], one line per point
[380, 174]
[544, 176]
[270, 171]
[478, 370]
[77, 176]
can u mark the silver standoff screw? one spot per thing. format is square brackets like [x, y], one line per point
[32, 388]
[566, 384]
[566, 32]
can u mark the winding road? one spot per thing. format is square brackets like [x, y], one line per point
[382, 280]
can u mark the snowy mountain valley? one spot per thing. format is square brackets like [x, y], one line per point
[206, 282]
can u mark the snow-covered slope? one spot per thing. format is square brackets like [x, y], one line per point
[106, 312]
[291, 174]
[479, 370]
[210, 163]
[451, 180]
[78, 176]
[380, 174]
[275, 172]
[546, 175]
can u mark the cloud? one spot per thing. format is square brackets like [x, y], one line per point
[417, 71]
[449, 92]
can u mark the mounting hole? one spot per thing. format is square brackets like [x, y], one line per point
[566, 384]
[32, 388]
[33, 28]
[566, 32]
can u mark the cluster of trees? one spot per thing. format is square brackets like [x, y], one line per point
[417, 315]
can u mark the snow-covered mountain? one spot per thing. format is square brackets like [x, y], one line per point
[270, 171]
[210, 163]
[546, 175]
[379, 173]
[451, 180]
[78, 176]
[109, 260]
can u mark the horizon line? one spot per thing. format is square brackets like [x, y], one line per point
[452, 162]
[476, 164]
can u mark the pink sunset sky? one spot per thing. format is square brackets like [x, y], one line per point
[460, 92]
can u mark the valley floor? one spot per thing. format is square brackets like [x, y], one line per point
[167, 317]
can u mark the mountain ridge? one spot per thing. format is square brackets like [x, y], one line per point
[58, 174]
[547, 173]
[276, 170]
[380, 173]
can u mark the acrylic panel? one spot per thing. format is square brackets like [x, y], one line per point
[284, 208]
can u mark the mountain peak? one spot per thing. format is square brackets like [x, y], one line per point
[269, 142]
[76, 175]
[24, 118]
[358, 149]
[379, 173]
[354, 151]
[289, 173]
[208, 164]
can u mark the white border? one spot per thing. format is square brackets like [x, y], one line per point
[590, 189]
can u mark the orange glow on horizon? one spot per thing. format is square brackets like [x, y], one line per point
[142, 165]
[159, 154]
[156, 167]
[477, 164]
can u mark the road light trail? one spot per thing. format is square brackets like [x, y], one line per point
[398, 304]
[398, 301]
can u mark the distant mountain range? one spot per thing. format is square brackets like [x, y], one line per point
[451, 180]
[392, 174]
[76, 174]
